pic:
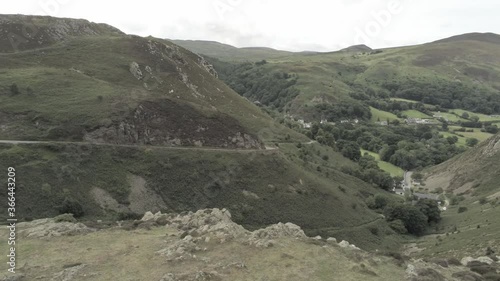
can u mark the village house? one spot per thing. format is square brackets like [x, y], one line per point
[434, 197]
[413, 121]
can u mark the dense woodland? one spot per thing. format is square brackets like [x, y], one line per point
[258, 83]
[447, 95]
[408, 147]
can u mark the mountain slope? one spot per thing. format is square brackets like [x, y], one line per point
[102, 86]
[475, 172]
[228, 52]
[481, 37]
[142, 124]
[461, 72]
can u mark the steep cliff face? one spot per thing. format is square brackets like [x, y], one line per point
[169, 123]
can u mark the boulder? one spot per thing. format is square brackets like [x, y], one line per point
[135, 70]
[344, 244]
[331, 240]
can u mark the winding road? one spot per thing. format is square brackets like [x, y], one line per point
[267, 148]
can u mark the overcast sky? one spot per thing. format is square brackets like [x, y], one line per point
[315, 25]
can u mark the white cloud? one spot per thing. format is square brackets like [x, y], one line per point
[292, 25]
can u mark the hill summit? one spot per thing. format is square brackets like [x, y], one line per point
[476, 36]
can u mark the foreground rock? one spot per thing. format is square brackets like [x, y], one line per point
[208, 245]
[46, 228]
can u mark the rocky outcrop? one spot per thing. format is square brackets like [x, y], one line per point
[46, 228]
[207, 66]
[493, 146]
[135, 70]
[215, 226]
[169, 123]
[466, 260]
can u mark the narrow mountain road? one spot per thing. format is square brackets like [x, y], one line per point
[407, 179]
[267, 149]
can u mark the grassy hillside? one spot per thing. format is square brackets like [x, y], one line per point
[474, 173]
[395, 171]
[141, 124]
[259, 187]
[460, 73]
[121, 88]
[380, 115]
[228, 52]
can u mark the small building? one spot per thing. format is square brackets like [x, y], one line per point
[419, 196]
[382, 123]
[399, 191]
[304, 124]
[413, 121]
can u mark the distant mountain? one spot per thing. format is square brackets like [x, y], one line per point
[460, 72]
[357, 48]
[227, 52]
[481, 37]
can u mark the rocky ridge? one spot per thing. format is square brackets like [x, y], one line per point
[193, 240]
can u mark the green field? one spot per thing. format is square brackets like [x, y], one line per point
[482, 117]
[481, 136]
[461, 140]
[386, 166]
[416, 114]
[451, 117]
[380, 115]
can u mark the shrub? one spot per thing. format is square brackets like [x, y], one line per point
[472, 142]
[414, 220]
[65, 218]
[430, 209]
[125, 216]
[491, 276]
[374, 230]
[71, 206]
[398, 226]
[462, 209]
[489, 251]
[380, 201]
[482, 268]
[483, 200]
[14, 90]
